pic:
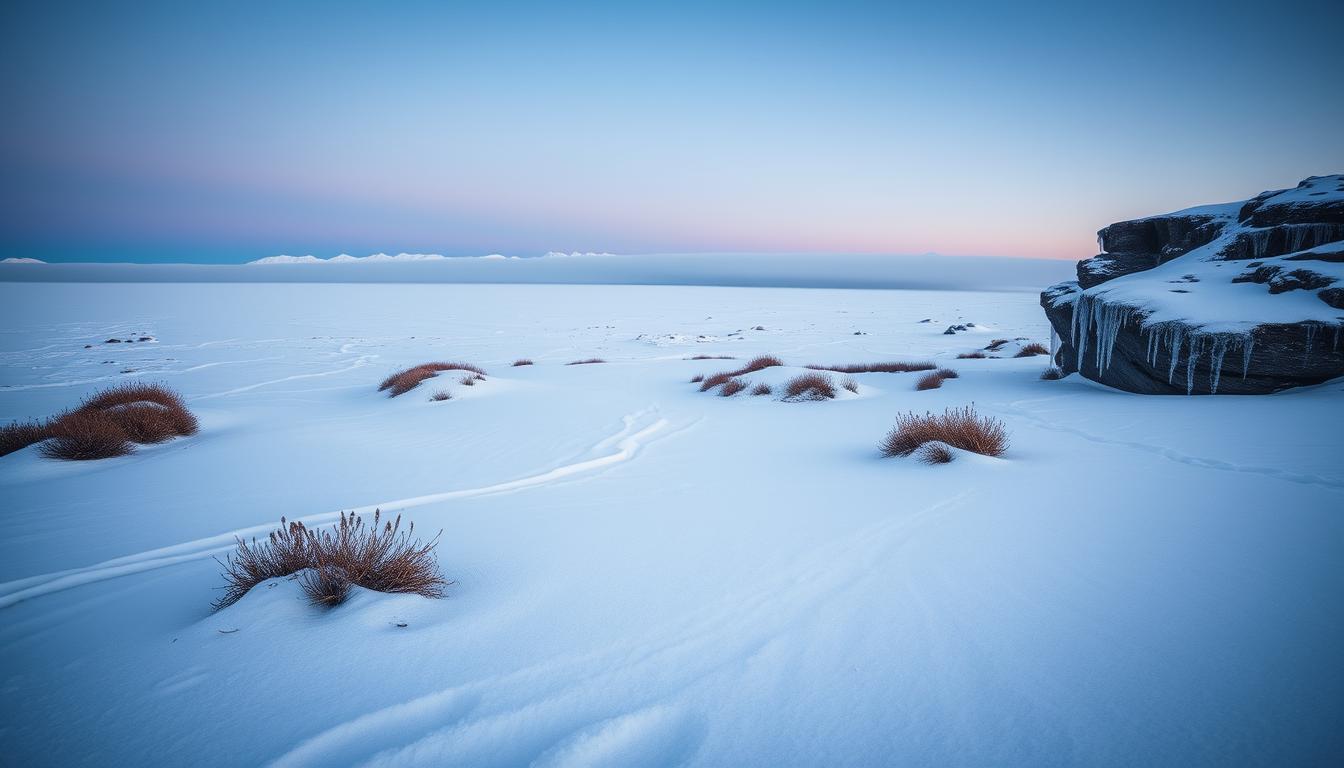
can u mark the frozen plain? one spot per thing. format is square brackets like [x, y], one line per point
[650, 575]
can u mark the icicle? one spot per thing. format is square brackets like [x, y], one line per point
[1249, 340]
[1312, 328]
[1174, 344]
[1054, 343]
[1216, 361]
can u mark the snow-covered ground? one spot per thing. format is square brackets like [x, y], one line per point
[650, 575]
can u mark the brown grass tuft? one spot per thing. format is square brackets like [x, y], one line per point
[402, 382]
[958, 427]
[696, 379]
[996, 345]
[929, 381]
[1034, 348]
[976, 355]
[383, 559]
[440, 396]
[108, 424]
[589, 361]
[732, 387]
[756, 364]
[948, 373]
[20, 435]
[890, 367]
[934, 453]
[524, 361]
[713, 357]
[1052, 374]
[761, 389]
[809, 386]
[84, 435]
[850, 384]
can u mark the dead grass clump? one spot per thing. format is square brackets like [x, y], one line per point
[934, 453]
[440, 396]
[756, 364]
[149, 413]
[996, 345]
[468, 381]
[948, 373]
[732, 387]
[761, 389]
[381, 558]
[929, 381]
[20, 435]
[110, 423]
[809, 386]
[1034, 348]
[402, 382]
[709, 382]
[850, 384]
[84, 435]
[976, 355]
[589, 361]
[713, 357]
[895, 366]
[1052, 373]
[957, 427]
[522, 362]
[696, 379]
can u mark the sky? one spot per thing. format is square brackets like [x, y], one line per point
[224, 132]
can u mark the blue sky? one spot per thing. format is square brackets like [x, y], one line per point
[186, 132]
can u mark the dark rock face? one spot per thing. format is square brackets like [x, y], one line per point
[1122, 337]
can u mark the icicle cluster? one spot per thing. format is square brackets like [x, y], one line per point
[1295, 237]
[1098, 323]
[1090, 312]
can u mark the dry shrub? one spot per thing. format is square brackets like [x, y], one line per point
[440, 396]
[149, 413]
[761, 389]
[996, 345]
[589, 361]
[1052, 374]
[713, 357]
[934, 453]
[948, 373]
[381, 558]
[809, 386]
[710, 382]
[957, 427]
[756, 364]
[1029, 350]
[83, 435]
[402, 382]
[696, 379]
[468, 381]
[976, 355]
[891, 367]
[20, 435]
[111, 422]
[732, 387]
[850, 384]
[929, 381]
[524, 361]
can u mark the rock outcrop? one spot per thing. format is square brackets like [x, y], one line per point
[1241, 298]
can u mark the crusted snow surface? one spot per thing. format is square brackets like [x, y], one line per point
[646, 574]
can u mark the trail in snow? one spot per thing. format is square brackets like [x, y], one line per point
[1177, 456]
[635, 433]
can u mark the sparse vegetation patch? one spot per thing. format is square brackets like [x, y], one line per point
[809, 386]
[402, 382]
[957, 427]
[378, 557]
